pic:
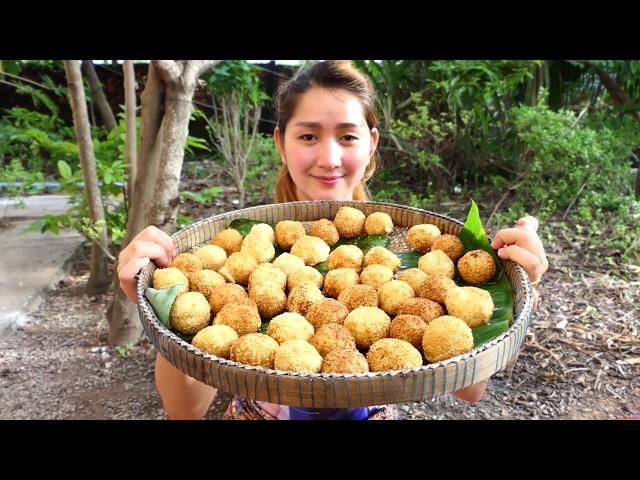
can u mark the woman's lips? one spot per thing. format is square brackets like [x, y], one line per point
[328, 180]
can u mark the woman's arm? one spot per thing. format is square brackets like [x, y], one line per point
[473, 393]
[183, 397]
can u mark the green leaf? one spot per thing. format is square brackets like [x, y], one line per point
[64, 169]
[473, 236]
[486, 333]
[408, 260]
[162, 300]
[244, 225]
[264, 327]
[323, 268]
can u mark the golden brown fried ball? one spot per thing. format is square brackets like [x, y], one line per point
[437, 263]
[409, 328]
[446, 337]
[393, 354]
[305, 274]
[238, 268]
[186, 262]
[472, 304]
[359, 296]
[265, 230]
[297, 355]
[229, 239]
[435, 288]
[227, 293]
[204, 281]
[212, 256]
[254, 349]
[378, 223]
[326, 230]
[215, 339]
[168, 277]
[332, 336]
[337, 280]
[287, 232]
[420, 237]
[302, 296]
[288, 263]
[367, 324]
[376, 275]
[242, 318]
[449, 244]
[413, 276]
[345, 360]
[266, 272]
[346, 256]
[424, 308]
[259, 247]
[327, 311]
[349, 222]
[289, 325]
[189, 313]
[392, 294]
[312, 250]
[270, 299]
[382, 256]
[477, 267]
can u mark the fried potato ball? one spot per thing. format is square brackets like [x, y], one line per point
[254, 349]
[212, 256]
[227, 293]
[288, 263]
[287, 232]
[312, 250]
[472, 304]
[297, 355]
[326, 230]
[420, 237]
[332, 336]
[190, 313]
[267, 272]
[393, 354]
[327, 311]
[413, 276]
[359, 296]
[424, 308]
[337, 280]
[446, 337]
[435, 288]
[168, 277]
[238, 267]
[409, 328]
[367, 324]
[378, 223]
[270, 299]
[346, 256]
[392, 294]
[186, 262]
[229, 239]
[289, 325]
[345, 360]
[449, 244]
[437, 263]
[477, 267]
[204, 281]
[305, 274]
[382, 256]
[264, 229]
[216, 340]
[302, 296]
[242, 318]
[376, 275]
[349, 222]
[259, 247]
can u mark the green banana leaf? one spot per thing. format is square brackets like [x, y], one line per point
[244, 225]
[161, 300]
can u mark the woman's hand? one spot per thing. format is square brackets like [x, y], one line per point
[150, 244]
[523, 245]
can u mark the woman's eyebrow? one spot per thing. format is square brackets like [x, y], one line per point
[340, 126]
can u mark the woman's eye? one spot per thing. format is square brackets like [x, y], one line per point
[350, 138]
[307, 137]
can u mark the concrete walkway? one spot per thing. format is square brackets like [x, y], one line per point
[31, 262]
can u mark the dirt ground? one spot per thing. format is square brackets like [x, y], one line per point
[581, 358]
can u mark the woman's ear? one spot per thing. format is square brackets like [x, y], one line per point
[375, 136]
[277, 139]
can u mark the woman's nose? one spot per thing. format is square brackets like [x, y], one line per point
[330, 155]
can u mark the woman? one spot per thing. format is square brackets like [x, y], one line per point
[326, 138]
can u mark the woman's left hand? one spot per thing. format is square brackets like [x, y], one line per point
[523, 245]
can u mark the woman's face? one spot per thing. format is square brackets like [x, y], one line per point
[327, 145]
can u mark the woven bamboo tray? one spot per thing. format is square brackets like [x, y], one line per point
[336, 390]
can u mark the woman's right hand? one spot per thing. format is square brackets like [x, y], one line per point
[150, 244]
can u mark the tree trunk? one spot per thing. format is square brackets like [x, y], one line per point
[130, 121]
[97, 93]
[161, 100]
[98, 280]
